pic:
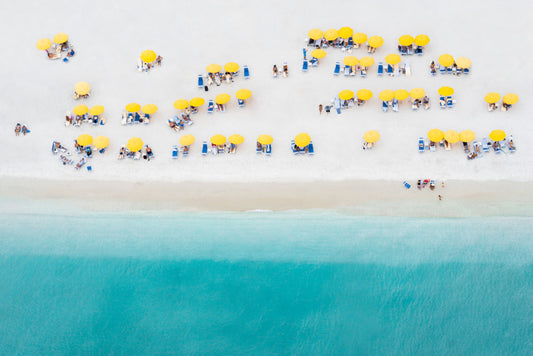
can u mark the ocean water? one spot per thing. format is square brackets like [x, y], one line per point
[298, 283]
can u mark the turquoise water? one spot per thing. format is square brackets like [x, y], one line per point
[299, 283]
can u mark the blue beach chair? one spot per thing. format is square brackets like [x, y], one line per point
[241, 103]
[385, 106]
[311, 149]
[363, 72]
[337, 68]
[449, 102]
[390, 71]
[380, 69]
[210, 106]
[395, 105]
[314, 62]
[305, 65]
[466, 71]
[268, 150]
[421, 145]
[293, 148]
[258, 148]
[174, 152]
[442, 102]
[200, 81]
[204, 148]
[246, 72]
[137, 118]
[442, 69]
[406, 185]
[347, 71]
[485, 145]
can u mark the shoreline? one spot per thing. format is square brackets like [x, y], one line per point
[360, 197]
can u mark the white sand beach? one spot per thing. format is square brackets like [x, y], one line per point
[108, 37]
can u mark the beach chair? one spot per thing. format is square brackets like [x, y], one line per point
[204, 148]
[478, 149]
[130, 119]
[200, 81]
[385, 106]
[65, 160]
[421, 145]
[246, 72]
[390, 70]
[124, 120]
[396, 70]
[410, 50]
[293, 148]
[442, 102]
[406, 185]
[380, 69]
[484, 145]
[449, 70]
[145, 119]
[465, 147]
[241, 103]
[314, 62]
[442, 69]
[351, 44]
[185, 151]
[337, 68]
[311, 149]
[510, 143]
[419, 50]
[258, 148]
[337, 105]
[81, 163]
[139, 65]
[426, 144]
[407, 69]
[432, 146]
[174, 152]
[395, 106]
[447, 145]
[466, 71]
[268, 150]
[210, 106]
[347, 70]
[402, 50]
[137, 118]
[363, 72]
[305, 65]
[449, 102]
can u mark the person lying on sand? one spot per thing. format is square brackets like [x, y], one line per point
[275, 71]
[17, 129]
[24, 130]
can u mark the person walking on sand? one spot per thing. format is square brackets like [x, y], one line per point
[440, 197]
[320, 109]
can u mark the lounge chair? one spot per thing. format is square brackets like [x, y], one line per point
[241, 103]
[174, 152]
[185, 151]
[200, 81]
[81, 163]
[337, 68]
[311, 149]
[268, 150]
[65, 160]
[314, 62]
[402, 50]
[410, 50]
[396, 69]
[510, 143]
[406, 185]
[449, 102]
[137, 118]
[210, 106]
[246, 72]
[347, 70]
[363, 72]
[466, 71]
[432, 146]
[419, 50]
[258, 148]
[124, 118]
[293, 148]
[305, 65]
[447, 145]
[442, 102]
[407, 69]
[204, 148]
[385, 106]
[380, 69]
[145, 118]
[449, 70]
[478, 148]
[465, 147]
[130, 119]
[390, 70]
[442, 69]
[367, 145]
[484, 145]
[421, 145]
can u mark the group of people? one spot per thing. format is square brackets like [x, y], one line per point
[219, 77]
[21, 129]
[494, 106]
[64, 154]
[80, 96]
[284, 70]
[126, 153]
[415, 104]
[225, 147]
[423, 183]
[134, 118]
[143, 66]
[177, 123]
[453, 69]
[77, 120]
[56, 51]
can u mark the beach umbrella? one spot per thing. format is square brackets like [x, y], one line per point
[133, 107]
[134, 144]
[318, 53]
[421, 40]
[393, 58]
[101, 141]
[214, 68]
[346, 94]
[467, 135]
[497, 135]
[451, 136]
[231, 67]
[149, 109]
[82, 88]
[60, 38]
[43, 44]
[96, 110]
[84, 140]
[375, 41]
[196, 102]
[265, 139]
[315, 34]
[435, 135]
[510, 99]
[417, 93]
[386, 95]
[446, 91]
[181, 104]
[401, 94]
[302, 140]
[366, 61]
[236, 139]
[491, 98]
[406, 40]
[371, 136]
[80, 110]
[360, 38]
[218, 140]
[364, 94]
[222, 98]
[345, 32]
[463, 62]
[187, 140]
[446, 60]
[331, 34]
[148, 56]
[243, 94]
[350, 61]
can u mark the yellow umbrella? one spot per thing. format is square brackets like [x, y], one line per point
[43, 44]
[196, 102]
[401, 94]
[417, 93]
[148, 56]
[350, 61]
[60, 38]
[84, 140]
[187, 140]
[302, 140]
[214, 68]
[345, 32]
[236, 139]
[181, 104]
[366, 61]
[364, 94]
[491, 98]
[375, 41]
[318, 53]
[435, 135]
[331, 34]
[265, 139]
[393, 58]
[463, 62]
[231, 67]
[133, 107]
[80, 110]
[222, 98]
[421, 40]
[96, 110]
[360, 38]
[446, 91]
[467, 135]
[451, 136]
[386, 95]
[315, 34]
[406, 40]
[346, 95]
[371, 136]
[510, 99]
[82, 88]
[101, 141]
[446, 60]
[497, 135]
[243, 94]
[134, 144]
[218, 140]
[149, 109]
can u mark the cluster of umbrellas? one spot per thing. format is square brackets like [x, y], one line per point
[220, 139]
[230, 67]
[353, 61]
[345, 33]
[362, 94]
[44, 43]
[147, 109]
[436, 135]
[509, 99]
[447, 60]
[408, 40]
[98, 142]
[182, 104]
[385, 95]
[81, 110]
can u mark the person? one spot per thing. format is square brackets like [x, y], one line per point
[440, 197]
[320, 109]
[511, 144]
[78, 120]
[24, 130]
[122, 152]
[285, 70]
[77, 146]
[173, 125]
[432, 67]
[275, 71]
[149, 152]
[217, 79]
[296, 148]
[442, 184]
[506, 107]
[328, 109]
[185, 149]
[17, 129]
[158, 60]
[425, 100]
[305, 53]
[88, 151]
[259, 146]
[419, 184]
